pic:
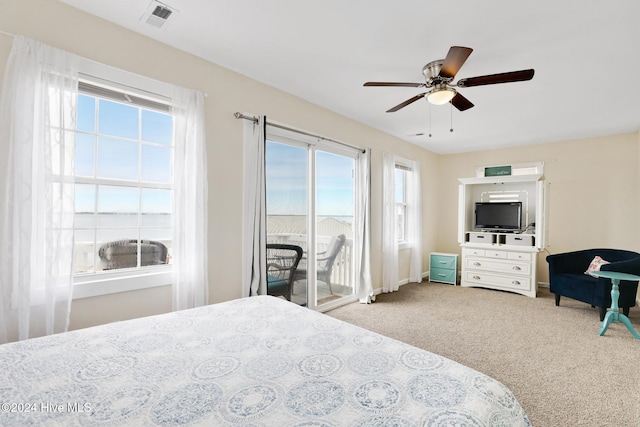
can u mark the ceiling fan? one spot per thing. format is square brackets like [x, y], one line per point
[439, 79]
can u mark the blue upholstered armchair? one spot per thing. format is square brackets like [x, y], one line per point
[567, 277]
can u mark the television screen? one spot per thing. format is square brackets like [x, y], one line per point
[498, 215]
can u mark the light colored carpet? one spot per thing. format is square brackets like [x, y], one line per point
[552, 358]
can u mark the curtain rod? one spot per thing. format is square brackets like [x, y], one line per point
[7, 34]
[255, 120]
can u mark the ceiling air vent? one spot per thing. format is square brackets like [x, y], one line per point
[157, 14]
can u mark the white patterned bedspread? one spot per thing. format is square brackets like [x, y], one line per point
[258, 361]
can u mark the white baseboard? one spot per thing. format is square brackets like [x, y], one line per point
[425, 276]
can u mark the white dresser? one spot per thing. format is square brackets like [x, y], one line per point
[504, 269]
[494, 256]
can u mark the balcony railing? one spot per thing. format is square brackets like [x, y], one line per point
[341, 274]
[85, 255]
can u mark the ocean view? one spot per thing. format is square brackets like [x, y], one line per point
[87, 220]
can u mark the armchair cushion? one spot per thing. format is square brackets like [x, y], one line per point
[596, 264]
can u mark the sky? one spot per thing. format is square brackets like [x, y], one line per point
[122, 142]
[286, 175]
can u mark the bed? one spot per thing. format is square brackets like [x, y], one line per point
[259, 361]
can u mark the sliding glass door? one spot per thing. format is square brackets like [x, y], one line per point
[287, 174]
[310, 199]
[334, 196]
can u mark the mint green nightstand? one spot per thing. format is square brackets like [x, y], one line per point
[443, 268]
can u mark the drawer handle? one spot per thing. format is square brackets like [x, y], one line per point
[442, 275]
[443, 262]
[516, 268]
[477, 264]
[476, 277]
[515, 282]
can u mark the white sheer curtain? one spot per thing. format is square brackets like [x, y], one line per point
[389, 229]
[362, 229]
[414, 222]
[254, 234]
[190, 259]
[37, 119]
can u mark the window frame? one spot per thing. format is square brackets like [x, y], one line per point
[404, 166]
[144, 90]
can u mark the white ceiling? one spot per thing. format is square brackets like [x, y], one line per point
[586, 56]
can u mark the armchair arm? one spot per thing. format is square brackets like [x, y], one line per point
[631, 266]
[304, 256]
[570, 262]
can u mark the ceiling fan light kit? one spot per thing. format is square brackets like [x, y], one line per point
[441, 95]
[439, 77]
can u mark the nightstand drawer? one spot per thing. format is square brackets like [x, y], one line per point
[443, 261]
[442, 275]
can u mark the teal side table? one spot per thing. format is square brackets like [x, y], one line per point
[614, 315]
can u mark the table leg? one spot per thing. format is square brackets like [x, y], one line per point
[606, 322]
[613, 315]
[624, 319]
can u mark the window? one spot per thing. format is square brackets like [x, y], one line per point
[123, 175]
[401, 173]
[130, 181]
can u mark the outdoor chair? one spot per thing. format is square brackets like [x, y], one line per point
[282, 261]
[325, 259]
[124, 253]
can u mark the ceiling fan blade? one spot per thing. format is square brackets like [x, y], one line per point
[491, 79]
[393, 84]
[455, 58]
[405, 103]
[460, 102]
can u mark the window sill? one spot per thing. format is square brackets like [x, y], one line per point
[122, 281]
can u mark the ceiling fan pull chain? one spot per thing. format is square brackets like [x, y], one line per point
[429, 120]
[451, 115]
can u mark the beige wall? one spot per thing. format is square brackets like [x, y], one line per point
[61, 26]
[593, 192]
[594, 183]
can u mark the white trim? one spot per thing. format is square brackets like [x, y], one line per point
[127, 81]
[127, 280]
[404, 245]
[405, 163]
[104, 283]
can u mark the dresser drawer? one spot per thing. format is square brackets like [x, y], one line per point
[501, 282]
[443, 261]
[525, 256]
[473, 251]
[497, 254]
[500, 266]
[442, 275]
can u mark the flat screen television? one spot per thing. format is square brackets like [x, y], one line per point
[499, 216]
